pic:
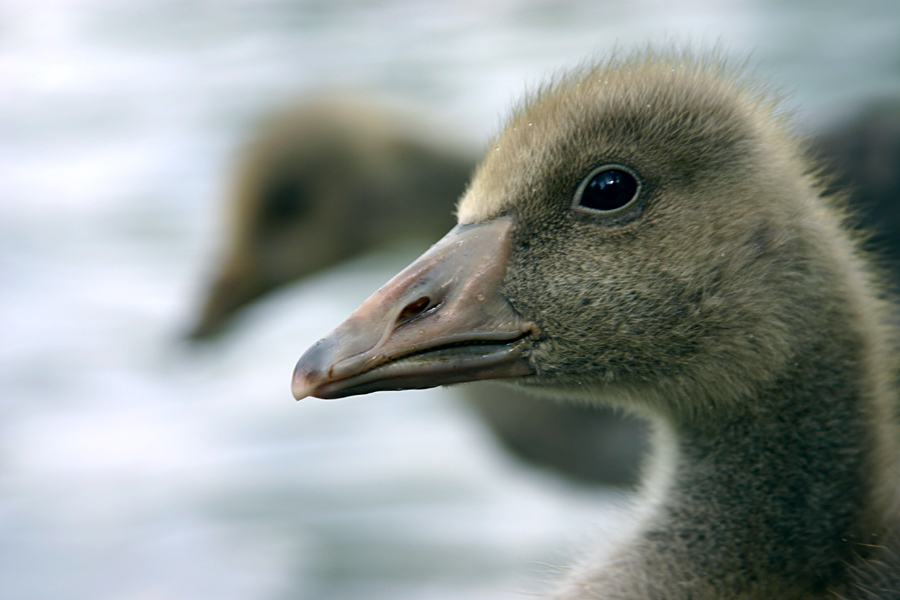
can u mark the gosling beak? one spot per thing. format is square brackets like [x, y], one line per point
[441, 320]
[230, 292]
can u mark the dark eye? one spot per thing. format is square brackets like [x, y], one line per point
[607, 189]
[284, 200]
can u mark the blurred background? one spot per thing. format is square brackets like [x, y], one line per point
[135, 465]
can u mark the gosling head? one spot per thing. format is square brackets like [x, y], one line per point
[640, 229]
[321, 183]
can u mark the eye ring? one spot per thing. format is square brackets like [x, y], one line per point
[612, 194]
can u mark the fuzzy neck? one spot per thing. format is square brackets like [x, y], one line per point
[779, 489]
[770, 499]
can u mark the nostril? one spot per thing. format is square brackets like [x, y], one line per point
[413, 309]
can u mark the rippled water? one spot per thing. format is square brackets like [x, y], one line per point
[133, 467]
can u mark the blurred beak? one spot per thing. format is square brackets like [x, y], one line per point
[442, 320]
[230, 292]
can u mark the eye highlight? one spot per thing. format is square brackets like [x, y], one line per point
[607, 189]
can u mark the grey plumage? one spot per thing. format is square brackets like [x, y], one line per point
[733, 306]
[728, 302]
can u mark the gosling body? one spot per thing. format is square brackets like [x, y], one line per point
[717, 291]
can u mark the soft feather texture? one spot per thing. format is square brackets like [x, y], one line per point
[732, 305]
